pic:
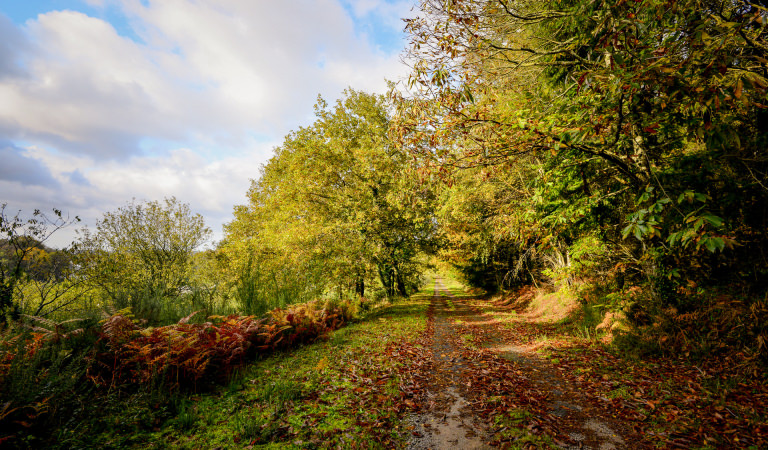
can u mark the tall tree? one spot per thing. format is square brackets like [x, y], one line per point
[25, 260]
[641, 121]
[338, 193]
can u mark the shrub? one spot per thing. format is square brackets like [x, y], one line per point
[185, 354]
[47, 368]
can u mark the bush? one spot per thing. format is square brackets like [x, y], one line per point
[721, 325]
[47, 368]
[185, 354]
[43, 371]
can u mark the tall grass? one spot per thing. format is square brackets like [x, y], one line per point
[43, 371]
[158, 308]
[259, 289]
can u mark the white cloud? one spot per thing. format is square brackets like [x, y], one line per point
[215, 68]
[202, 79]
[211, 187]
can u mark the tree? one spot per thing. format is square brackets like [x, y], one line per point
[338, 194]
[143, 246]
[641, 122]
[482, 215]
[25, 261]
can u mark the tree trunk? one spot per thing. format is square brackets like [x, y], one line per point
[401, 285]
[360, 286]
[385, 275]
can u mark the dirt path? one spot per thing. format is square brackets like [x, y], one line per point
[449, 421]
[484, 391]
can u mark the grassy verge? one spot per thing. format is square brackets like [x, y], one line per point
[336, 393]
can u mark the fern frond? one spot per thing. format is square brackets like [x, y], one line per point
[186, 319]
[41, 320]
[70, 321]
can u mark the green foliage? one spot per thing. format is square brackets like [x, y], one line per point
[33, 278]
[265, 401]
[612, 149]
[336, 209]
[627, 125]
[141, 255]
[259, 288]
[46, 368]
[185, 419]
[155, 307]
[43, 371]
[481, 235]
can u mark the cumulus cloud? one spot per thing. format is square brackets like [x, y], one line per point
[20, 168]
[209, 68]
[188, 103]
[12, 46]
[210, 186]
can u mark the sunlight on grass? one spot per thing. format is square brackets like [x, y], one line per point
[331, 393]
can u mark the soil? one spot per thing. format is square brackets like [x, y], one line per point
[448, 420]
[478, 370]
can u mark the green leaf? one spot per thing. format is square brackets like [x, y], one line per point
[627, 231]
[713, 244]
[715, 221]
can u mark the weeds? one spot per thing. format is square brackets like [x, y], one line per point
[142, 380]
[186, 418]
[515, 431]
[47, 368]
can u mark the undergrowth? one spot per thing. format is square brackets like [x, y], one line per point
[48, 370]
[338, 389]
[715, 324]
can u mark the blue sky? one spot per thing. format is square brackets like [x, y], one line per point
[19, 11]
[102, 101]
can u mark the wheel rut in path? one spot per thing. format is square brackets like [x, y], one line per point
[470, 385]
[448, 420]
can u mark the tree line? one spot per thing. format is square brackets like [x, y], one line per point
[614, 149]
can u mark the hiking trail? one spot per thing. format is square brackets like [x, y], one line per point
[478, 370]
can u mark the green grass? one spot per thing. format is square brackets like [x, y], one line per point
[338, 393]
[468, 341]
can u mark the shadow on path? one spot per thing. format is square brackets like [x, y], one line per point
[486, 390]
